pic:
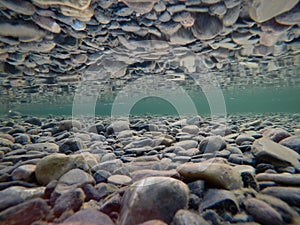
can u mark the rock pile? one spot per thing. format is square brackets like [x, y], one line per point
[152, 171]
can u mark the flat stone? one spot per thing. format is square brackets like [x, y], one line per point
[24, 172]
[262, 212]
[42, 147]
[25, 213]
[244, 138]
[88, 216]
[119, 179]
[292, 142]
[109, 166]
[52, 167]
[9, 200]
[185, 217]
[187, 144]
[142, 7]
[206, 27]
[232, 3]
[260, 10]
[287, 213]
[216, 173]
[71, 200]
[290, 195]
[73, 179]
[21, 30]
[153, 198]
[69, 124]
[19, 6]
[219, 200]
[141, 174]
[268, 151]
[47, 23]
[212, 144]
[117, 127]
[231, 16]
[24, 193]
[81, 5]
[169, 28]
[153, 222]
[291, 17]
[283, 178]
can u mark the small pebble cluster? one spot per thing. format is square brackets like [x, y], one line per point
[150, 170]
[50, 44]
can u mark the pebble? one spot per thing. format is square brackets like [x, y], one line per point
[71, 200]
[260, 11]
[212, 144]
[73, 179]
[292, 142]
[26, 212]
[283, 178]
[288, 194]
[88, 216]
[218, 199]
[185, 217]
[119, 179]
[154, 197]
[52, 167]
[25, 8]
[218, 174]
[262, 212]
[278, 155]
[206, 30]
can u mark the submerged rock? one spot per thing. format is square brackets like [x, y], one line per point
[260, 10]
[206, 27]
[217, 174]
[153, 198]
[268, 151]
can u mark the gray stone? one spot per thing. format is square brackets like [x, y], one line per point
[73, 179]
[47, 147]
[231, 16]
[262, 212]
[212, 144]
[25, 213]
[153, 198]
[117, 127]
[283, 178]
[187, 144]
[88, 216]
[287, 213]
[69, 124]
[216, 172]
[290, 195]
[119, 179]
[22, 7]
[206, 27]
[71, 200]
[243, 138]
[23, 31]
[292, 142]
[52, 167]
[185, 217]
[24, 172]
[260, 10]
[289, 18]
[219, 200]
[232, 3]
[267, 151]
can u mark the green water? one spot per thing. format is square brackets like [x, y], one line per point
[237, 100]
